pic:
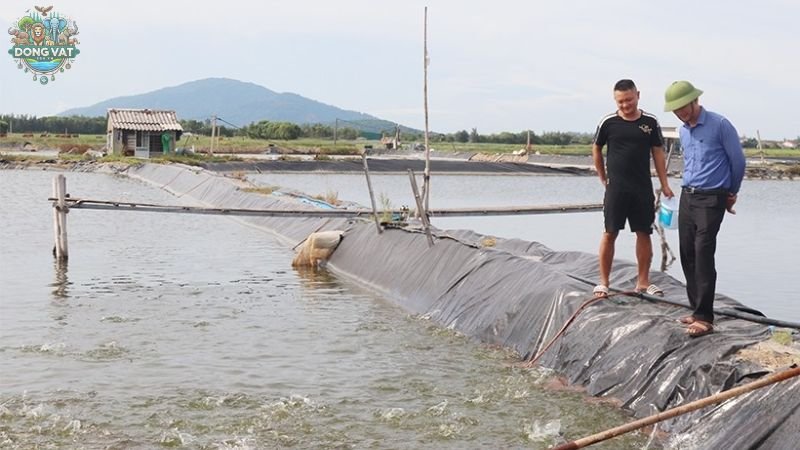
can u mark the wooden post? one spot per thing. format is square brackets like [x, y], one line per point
[421, 212]
[760, 148]
[60, 217]
[371, 195]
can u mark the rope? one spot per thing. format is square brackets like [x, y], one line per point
[173, 179]
[195, 187]
[569, 321]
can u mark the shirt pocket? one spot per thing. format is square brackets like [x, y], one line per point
[710, 201]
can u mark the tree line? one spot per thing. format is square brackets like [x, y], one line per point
[286, 131]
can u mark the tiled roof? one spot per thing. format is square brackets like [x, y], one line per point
[144, 119]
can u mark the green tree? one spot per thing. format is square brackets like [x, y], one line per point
[462, 136]
[3, 126]
[474, 137]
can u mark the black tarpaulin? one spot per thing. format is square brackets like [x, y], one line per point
[518, 294]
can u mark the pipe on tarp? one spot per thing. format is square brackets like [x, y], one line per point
[754, 316]
[679, 410]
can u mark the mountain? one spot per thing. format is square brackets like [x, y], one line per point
[237, 102]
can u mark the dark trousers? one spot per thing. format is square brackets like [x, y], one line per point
[699, 219]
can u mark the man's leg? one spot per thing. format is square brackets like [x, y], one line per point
[641, 220]
[606, 256]
[686, 238]
[644, 257]
[708, 221]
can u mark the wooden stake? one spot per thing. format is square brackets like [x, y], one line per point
[371, 195]
[423, 215]
[679, 410]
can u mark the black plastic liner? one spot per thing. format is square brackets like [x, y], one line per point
[518, 294]
[389, 165]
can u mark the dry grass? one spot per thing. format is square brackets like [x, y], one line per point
[265, 190]
[331, 197]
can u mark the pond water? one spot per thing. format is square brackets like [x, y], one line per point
[191, 331]
[756, 249]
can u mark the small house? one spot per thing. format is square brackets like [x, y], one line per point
[142, 132]
[671, 138]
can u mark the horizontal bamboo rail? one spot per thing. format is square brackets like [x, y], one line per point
[75, 203]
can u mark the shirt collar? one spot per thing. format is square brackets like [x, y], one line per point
[701, 119]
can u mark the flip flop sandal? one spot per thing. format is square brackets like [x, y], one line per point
[699, 328]
[600, 291]
[651, 290]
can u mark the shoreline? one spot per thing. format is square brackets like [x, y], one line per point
[398, 164]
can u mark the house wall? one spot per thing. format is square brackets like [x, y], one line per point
[117, 138]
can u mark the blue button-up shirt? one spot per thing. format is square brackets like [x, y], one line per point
[713, 155]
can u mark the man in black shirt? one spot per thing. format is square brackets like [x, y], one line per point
[632, 136]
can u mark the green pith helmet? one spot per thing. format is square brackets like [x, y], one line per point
[680, 94]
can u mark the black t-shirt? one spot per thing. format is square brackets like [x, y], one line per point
[629, 144]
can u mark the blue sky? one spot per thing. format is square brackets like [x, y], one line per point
[495, 66]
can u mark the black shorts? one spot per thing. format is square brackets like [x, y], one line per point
[638, 208]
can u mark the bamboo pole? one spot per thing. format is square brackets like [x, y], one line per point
[426, 179]
[423, 215]
[679, 410]
[74, 203]
[56, 230]
[371, 195]
[665, 249]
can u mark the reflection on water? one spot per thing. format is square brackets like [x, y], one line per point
[315, 276]
[60, 291]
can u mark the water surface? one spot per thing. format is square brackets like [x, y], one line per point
[192, 331]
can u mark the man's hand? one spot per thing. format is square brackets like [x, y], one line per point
[667, 192]
[729, 202]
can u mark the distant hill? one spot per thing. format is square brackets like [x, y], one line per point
[239, 103]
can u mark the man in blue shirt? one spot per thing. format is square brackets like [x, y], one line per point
[714, 166]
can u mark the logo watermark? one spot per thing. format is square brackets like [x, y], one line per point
[44, 43]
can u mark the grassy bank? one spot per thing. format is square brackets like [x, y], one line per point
[245, 145]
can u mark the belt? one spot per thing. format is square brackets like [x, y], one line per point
[694, 190]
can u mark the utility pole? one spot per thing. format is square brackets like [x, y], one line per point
[528, 147]
[335, 129]
[213, 131]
